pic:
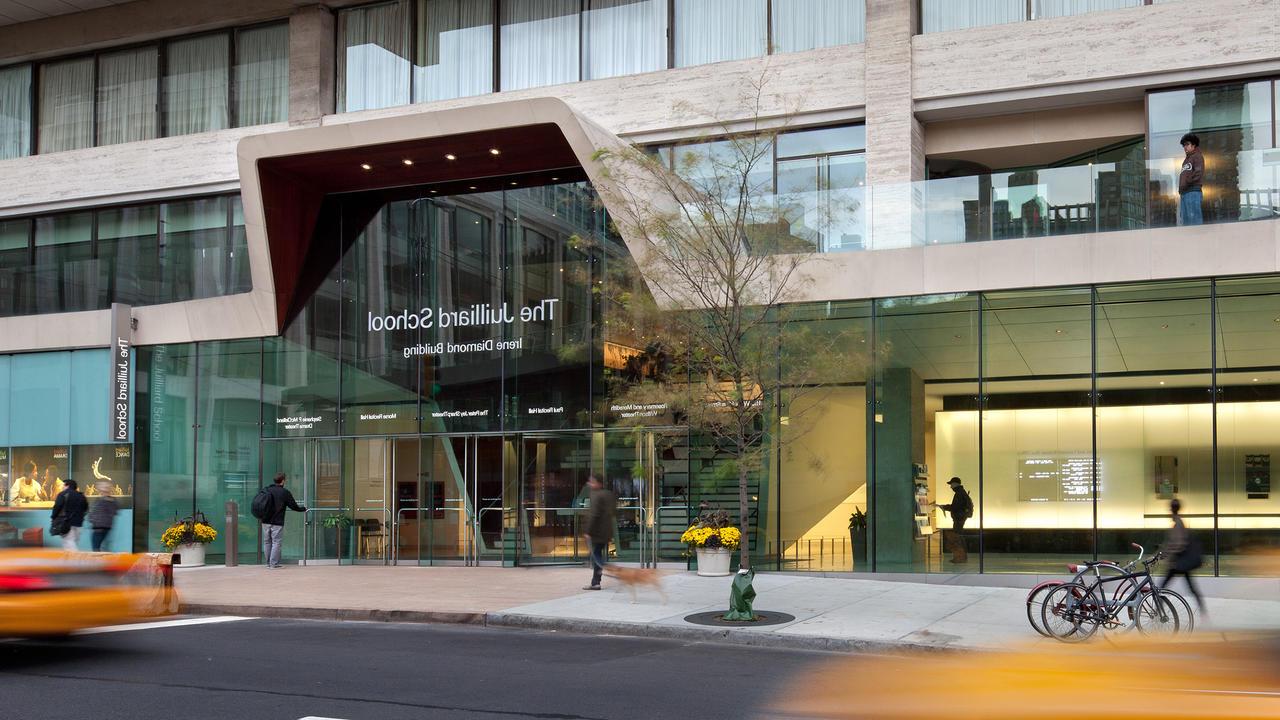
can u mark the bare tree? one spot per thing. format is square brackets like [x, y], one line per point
[719, 263]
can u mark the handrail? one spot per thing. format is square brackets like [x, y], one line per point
[306, 522]
[395, 532]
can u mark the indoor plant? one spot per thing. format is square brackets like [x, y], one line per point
[712, 537]
[335, 543]
[858, 537]
[187, 539]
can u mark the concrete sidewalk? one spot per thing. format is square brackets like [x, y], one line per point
[831, 613]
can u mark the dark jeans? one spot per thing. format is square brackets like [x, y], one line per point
[959, 548]
[598, 560]
[99, 535]
[1190, 583]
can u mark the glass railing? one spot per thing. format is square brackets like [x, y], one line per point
[1103, 197]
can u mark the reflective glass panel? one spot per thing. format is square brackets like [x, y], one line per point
[454, 50]
[808, 24]
[539, 43]
[939, 15]
[709, 31]
[67, 277]
[15, 111]
[373, 57]
[194, 249]
[624, 37]
[129, 249]
[1059, 8]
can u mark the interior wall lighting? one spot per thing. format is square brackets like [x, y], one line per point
[471, 187]
[450, 156]
[366, 166]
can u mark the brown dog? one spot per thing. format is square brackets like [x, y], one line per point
[633, 578]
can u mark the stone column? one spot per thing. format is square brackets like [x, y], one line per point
[311, 65]
[895, 139]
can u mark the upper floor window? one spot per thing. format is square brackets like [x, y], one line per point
[401, 51]
[937, 15]
[176, 87]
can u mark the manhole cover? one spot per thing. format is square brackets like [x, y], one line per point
[763, 617]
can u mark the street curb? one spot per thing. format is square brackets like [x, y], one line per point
[729, 636]
[343, 614]
[691, 633]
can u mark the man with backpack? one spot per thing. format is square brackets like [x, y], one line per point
[961, 509]
[269, 506]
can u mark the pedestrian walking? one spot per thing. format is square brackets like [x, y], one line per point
[1185, 552]
[1190, 182]
[961, 509]
[71, 506]
[279, 501]
[102, 515]
[599, 527]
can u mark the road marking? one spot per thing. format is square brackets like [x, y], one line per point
[161, 624]
[314, 717]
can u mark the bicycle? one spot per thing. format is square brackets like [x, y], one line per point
[1035, 601]
[1074, 611]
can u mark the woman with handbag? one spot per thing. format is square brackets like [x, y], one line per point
[1184, 551]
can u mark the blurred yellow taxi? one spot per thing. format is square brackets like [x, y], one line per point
[1214, 676]
[51, 592]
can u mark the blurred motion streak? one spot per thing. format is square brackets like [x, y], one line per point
[1213, 676]
[52, 592]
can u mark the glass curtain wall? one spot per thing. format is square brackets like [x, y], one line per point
[15, 111]
[1061, 8]
[939, 15]
[65, 273]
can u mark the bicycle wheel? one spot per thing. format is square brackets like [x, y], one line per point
[1067, 613]
[1035, 601]
[1186, 618]
[1156, 616]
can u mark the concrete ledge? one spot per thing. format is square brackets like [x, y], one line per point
[341, 614]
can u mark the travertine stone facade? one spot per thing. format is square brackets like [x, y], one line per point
[311, 64]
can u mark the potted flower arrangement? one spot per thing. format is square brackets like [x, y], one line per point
[858, 537]
[186, 539]
[712, 538]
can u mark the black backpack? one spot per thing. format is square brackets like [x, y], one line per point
[962, 507]
[264, 505]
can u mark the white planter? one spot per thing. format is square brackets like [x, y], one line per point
[191, 554]
[713, 562]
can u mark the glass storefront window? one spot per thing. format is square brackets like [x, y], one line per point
[373, 56]
[808, 24]
[66, 105]
[126, 88]
[539, 43]
[196, 84]
[15, 111]
[261, 75]
[710, 31]
[454, 49]
[228, 414]
[624, 37]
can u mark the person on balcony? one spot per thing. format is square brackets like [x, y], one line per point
[1189, 182]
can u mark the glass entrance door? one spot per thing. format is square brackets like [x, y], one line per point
[374, 466]
[553, 494]
[313, 472]
[456, 511]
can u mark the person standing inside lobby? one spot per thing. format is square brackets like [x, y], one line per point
[1190, 182]
[599, 527]
[273, 524]
[961, 509]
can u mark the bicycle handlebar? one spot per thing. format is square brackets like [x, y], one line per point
[1141, 551]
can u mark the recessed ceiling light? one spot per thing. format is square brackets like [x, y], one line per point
[556, 178]
[407, 161]
[514, 183]
[450, 156]
[366, 166]
[1255, 379]
[495, 151]
[471, 187]
[1161, 382]
[1059, 331]
[435, 191]
[1164, 327]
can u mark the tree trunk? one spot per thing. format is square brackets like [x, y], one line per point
[744, 551]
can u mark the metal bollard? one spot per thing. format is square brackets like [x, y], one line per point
[232, 536]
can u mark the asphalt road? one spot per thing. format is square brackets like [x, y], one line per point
[290, 669]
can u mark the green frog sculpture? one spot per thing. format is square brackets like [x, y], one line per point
[740, 598]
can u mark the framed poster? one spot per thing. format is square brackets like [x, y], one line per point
[1165, 476]
[1257, 476]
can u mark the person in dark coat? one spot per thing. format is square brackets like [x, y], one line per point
[71, 502]
[1185, 553]
[961, 509]
[599, 527]
[102, 515]
[273, 527]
